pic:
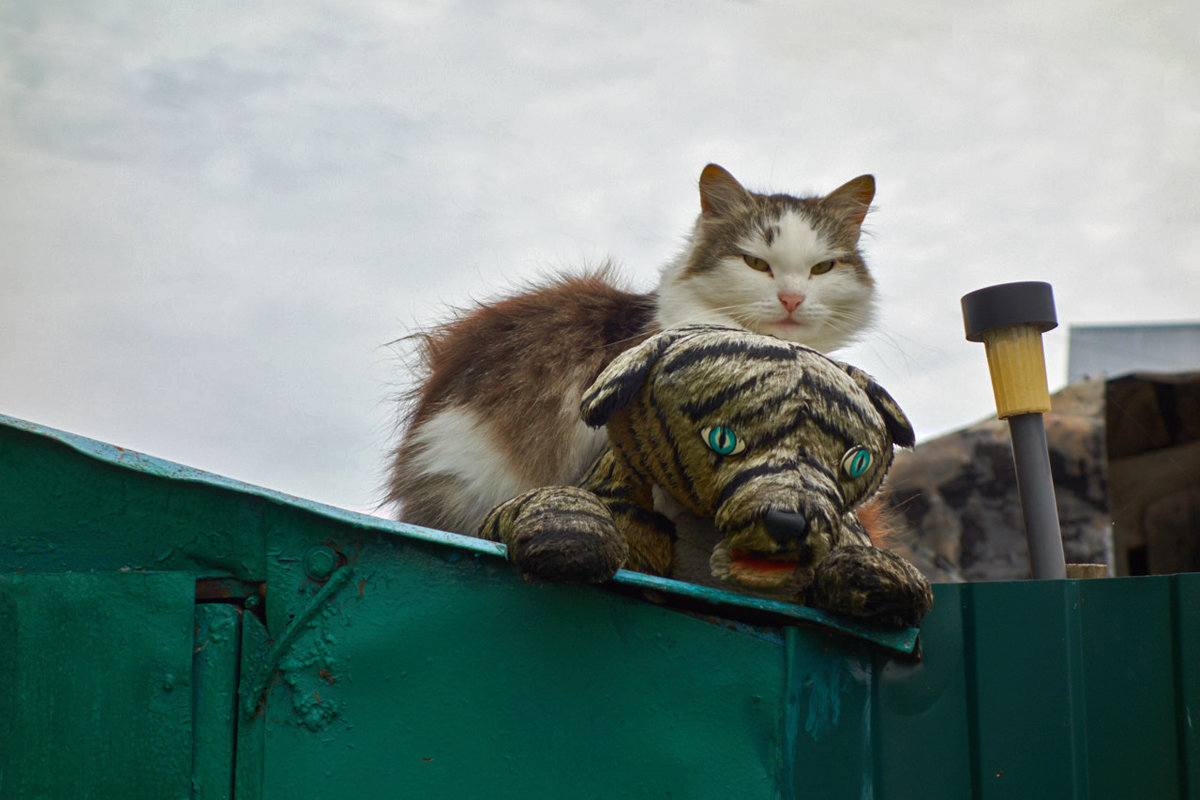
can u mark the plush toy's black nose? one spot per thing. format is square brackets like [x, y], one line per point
[785, 526]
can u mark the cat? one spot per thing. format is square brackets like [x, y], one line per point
[496, 411]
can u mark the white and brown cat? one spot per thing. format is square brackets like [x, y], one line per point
[497, 409]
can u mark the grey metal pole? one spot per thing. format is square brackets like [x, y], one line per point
[1035, 486]
[1010, 319]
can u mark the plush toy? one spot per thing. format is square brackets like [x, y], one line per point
[773, 443]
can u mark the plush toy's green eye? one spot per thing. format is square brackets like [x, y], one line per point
[856, 461]
[722, 441]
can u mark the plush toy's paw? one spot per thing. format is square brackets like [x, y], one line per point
[559, 534]
[872, 585]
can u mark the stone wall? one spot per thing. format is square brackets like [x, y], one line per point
[958, 494]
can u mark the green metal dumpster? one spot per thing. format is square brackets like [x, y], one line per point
[167, 633]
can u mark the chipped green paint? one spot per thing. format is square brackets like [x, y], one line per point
[168, 633]
[282, 655]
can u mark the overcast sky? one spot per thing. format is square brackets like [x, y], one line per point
[215, 216]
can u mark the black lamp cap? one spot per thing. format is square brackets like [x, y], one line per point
[1021, 303]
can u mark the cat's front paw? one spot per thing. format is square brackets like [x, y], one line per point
[871, 585]
[559, 534]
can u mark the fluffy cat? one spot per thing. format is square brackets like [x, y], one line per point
[497, 410]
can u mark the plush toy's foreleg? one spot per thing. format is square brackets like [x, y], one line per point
[873, 585]
[650, 534]
[558, 533]
[869, 583]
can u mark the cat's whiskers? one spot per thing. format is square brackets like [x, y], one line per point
[734, 307]
[745, 315]
[848, 319]
[741, 313]
[899, 361]
[746, 318]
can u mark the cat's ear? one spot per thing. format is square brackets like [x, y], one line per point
[720, 193]
[620, 381]
[854, 197]
[898, 426]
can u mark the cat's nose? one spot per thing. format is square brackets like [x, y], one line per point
[791, 301]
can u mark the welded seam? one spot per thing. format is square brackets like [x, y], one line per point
[255, 687]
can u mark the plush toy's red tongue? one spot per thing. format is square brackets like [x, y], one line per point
[754, 571]
[760, 564]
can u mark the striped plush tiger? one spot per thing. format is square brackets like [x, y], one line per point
[771, 442]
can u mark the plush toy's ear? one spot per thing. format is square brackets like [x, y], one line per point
[621, 379]
[897, 423]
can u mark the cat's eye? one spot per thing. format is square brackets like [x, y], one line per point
[856, 461]
[754, 262]
[722, 441]
[822, 268]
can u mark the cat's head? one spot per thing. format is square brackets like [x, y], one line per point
[779, 265]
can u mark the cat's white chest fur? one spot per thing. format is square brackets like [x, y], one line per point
[462, 445]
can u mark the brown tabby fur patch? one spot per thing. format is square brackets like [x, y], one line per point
[552, 342]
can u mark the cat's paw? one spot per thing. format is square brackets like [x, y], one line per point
[559, 534]
[872, 585]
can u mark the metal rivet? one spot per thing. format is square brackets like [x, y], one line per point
[320, 562]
